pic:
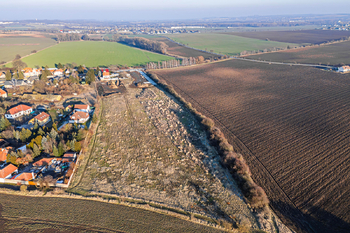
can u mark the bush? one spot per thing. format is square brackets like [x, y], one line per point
[208, 123]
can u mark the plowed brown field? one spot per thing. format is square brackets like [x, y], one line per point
[332, 54]
[291, 124]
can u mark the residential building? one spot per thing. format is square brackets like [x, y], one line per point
[70, 156]
[41, 119]
[3, 154]
[43, 162]
[7, 172]
[2, 75]
[25, 176]
[58, 72]
[18, 111]
[79, 117]
[81, 108]
[3, 93]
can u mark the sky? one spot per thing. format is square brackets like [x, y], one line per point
[162, 9]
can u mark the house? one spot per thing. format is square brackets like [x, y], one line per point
[68, 108]
[41, 119]
[2, 75]
[58, 72]
[3, 93]
[105, 72]
[13, 83]
[27, 72]
[3, 154]
[79, 117]
[70, 156]
[25, 176]
[7, 172]
[344, 69]
[18, 111]
[82, 108]
[43, 162]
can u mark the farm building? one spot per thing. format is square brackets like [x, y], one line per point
[79, 117]
[3, 93]
[18, 111]
[344, 69]
[82, 107]
[7, 172]
[41, 119]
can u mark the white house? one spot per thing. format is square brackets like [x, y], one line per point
[79, 117]
[18, 111]
[3, 93]
[82, 107]
[344, 69]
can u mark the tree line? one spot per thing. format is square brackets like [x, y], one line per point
[142, 43]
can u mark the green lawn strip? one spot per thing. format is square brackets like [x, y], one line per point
[226, 44]
[92, 54]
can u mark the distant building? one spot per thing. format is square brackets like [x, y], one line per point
[18, 111]
[3, 93]
[58, 72]
[344, 69]
[79, 117]
[41, 119]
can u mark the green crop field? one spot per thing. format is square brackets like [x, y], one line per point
[93, 53]
[10, 46]
[225, 44]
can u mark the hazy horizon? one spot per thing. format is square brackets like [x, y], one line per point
[161, 10]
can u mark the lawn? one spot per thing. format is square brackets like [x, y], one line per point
[225, 44]
[93, 53]
[10, 46]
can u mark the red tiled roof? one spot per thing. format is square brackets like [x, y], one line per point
[3, 154]
[7, 170]
[79, 115]
[2, 92]
[42, 162]
[42, 116]
[69, 155]
[25, 176]
[81, 106]
[18, 109]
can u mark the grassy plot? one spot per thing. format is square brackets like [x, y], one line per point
[49, 214]
[93, 53]
[225, 44]
[10, 46]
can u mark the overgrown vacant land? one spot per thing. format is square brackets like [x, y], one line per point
[292, 126]
[92, 54]
[225, 44]
[178, 50]
[149, 147]
[54, 214]
[22, 45]
[297, 36]
[332, 54]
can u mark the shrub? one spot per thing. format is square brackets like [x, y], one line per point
[208, 123]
